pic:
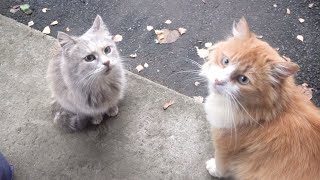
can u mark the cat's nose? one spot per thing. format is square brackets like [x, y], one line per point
[220, 82]
[106, 63]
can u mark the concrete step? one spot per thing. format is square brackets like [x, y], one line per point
[142, 142]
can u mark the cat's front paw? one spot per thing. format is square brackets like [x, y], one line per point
[212, 168]
[113, 111]
[97, 120]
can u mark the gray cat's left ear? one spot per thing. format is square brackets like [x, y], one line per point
[65, 40]
[98, 25]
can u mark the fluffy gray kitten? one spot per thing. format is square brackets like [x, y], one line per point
[87, 78]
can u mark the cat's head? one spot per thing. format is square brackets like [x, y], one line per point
[247, 69]
[92, 53]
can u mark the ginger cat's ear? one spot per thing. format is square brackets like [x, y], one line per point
[284, 69]
[241, 29]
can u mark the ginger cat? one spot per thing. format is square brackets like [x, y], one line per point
[262, 126]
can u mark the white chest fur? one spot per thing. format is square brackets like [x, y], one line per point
[219, 111]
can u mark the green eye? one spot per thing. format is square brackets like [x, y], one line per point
[90, 58]
[225, 61]
[243, 79]
[107, 50]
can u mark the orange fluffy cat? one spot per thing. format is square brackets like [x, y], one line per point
[262, 126]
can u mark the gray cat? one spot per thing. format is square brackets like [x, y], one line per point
[87, 78]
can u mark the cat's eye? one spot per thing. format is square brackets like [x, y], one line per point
[107, 50]
[90, 58]
[243, 79]
[225, 61]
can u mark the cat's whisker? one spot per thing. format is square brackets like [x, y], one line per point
[244, 109]
[192, 62]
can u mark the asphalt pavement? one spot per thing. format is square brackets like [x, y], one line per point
[205, 21]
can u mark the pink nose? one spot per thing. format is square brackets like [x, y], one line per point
[219, 82]
[106, 63]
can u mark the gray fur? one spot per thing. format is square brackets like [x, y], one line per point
[86, 89]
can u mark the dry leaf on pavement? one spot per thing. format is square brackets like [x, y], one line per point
[182, 30]
[167, 104]
[310, 5]
[300, 37]
[303, 88]
[14, 9]
[168, 21]
[133, 55]
[288, 11]
[198, 99]
[117, 38]
[139, 68]
[165, 36]
[30, 23]
[44, 10]
[54, 23]
[149, 28]
[301, 20]
[146, 65]
[46, 30]
[202, 53]
[275, 5]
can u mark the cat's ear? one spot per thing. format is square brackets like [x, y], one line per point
[241, 29]
[98, 25]
[284, 69]
[65, 40]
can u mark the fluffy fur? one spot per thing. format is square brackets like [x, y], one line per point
[262, 126]
[87, 77]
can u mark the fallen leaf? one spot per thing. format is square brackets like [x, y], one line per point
[149, 28]
[133, 55]
[146, 65]
[165, 36]
[14, 9]
[117, 38]
[167, 104]
[310, 5]
[26, 8]
[44, 10]
[303, 88]
[275, 5]
[288, 11]
[202, 53]
[139, 68]
[300, 37]
[67, 29]
[259, 36]
[208, 44]
[198, 99]
[301, 20]
[46, 30]
[30, 23]
[182, 30]
[54, 23]
[168, 21]
[197, 83]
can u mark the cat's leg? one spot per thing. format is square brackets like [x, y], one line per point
[216, 166]
[78, 121]
[97, 119]
[113, 111]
